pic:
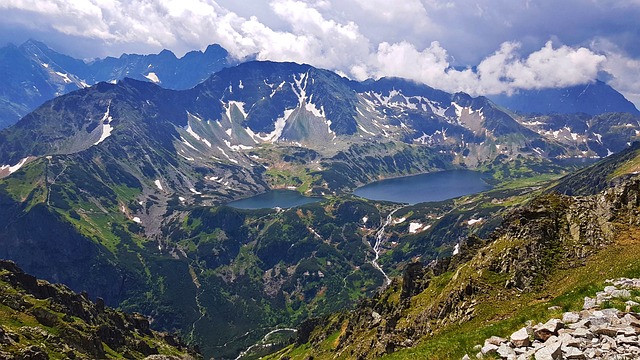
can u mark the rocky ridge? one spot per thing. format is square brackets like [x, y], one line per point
[39, 320]
[596, 332]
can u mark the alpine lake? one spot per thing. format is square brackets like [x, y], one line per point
[429, 187]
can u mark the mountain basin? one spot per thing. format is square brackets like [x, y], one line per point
[437, 186]
[274, 199]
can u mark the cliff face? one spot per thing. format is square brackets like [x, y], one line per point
[40, 320]
[551, 233]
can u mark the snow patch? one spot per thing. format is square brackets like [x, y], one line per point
[414, 227]
[240, 105]
[599, 137]
[458, 110]
[227, 156]
[195, 191]
[158, 185]
[456, 249]
[65, 77]
[137, 220]
[473, 221]
[277, 132]
[365, 219]
[106, 125]
[15, 167]
[184, 141]
[365, 130]
[237, 147]
[153, 77]
[196, 136]
[399, 221]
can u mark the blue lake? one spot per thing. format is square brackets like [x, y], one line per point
[415, 189]
[272, 199]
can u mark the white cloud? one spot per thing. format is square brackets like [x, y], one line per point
[417, 39]
[623, 69]
[505, 70]
[502, 72]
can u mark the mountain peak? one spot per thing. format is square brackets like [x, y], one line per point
[167, 53]
[593, 98]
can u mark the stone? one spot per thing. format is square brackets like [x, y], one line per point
[489, 349]
[520, 338]
[583, 333]
[570, 317]
[550, 351]
[610, 289]
[598, 321]
[506, 352]
[580, 324]
[621, 294]
[376, 319]
[545, 331]
[627, 340]
[569, 341]
[589, 303]
[466, 357]
[574, 354]
[495, 340]
[606, 330]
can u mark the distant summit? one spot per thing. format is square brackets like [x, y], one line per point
[33, 73]
[594, 99]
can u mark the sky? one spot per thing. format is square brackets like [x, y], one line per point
[481, 47]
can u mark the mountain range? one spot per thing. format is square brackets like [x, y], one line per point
[33, 73]
[593, 98]
[120, 188]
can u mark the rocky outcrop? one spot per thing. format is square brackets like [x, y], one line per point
[556, 230]
[50, 319]
[592, 333]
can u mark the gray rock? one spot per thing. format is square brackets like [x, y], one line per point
[589, 303]
[621, 294]
[598, 321]
[495, 340]
[545, 331]
[506, 352]
[520, 338]
[573, 354]
[466, 357]
[583, 333]
[606, 330]
[550, 351]
[489, 349]
[610, 289]
[570, 317]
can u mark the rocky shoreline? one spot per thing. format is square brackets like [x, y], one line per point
[596, 332]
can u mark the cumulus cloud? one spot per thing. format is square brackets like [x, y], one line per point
[495, 46]
[502, 72]
[622, 69]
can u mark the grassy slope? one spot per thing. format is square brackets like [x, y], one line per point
[63, 335]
